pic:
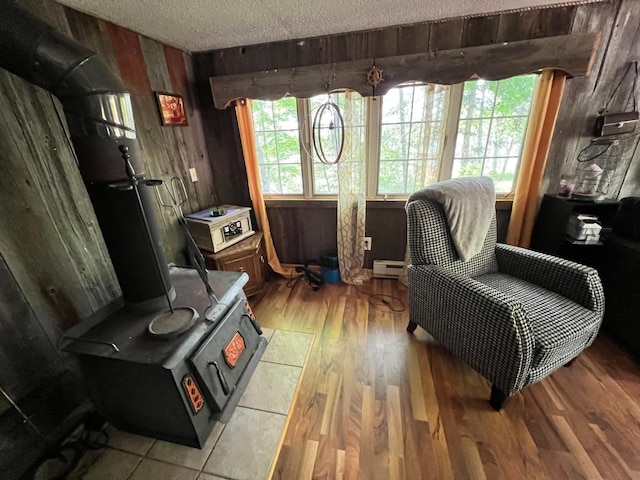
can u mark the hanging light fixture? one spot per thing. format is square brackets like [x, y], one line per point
[328, 131]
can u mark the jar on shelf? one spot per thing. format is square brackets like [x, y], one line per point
[598, 174]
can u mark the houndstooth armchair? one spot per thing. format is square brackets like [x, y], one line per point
[512, 314]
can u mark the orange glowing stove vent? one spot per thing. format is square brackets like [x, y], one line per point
[234, 349]
[196, 401]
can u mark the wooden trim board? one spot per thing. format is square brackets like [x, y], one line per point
[572, 54]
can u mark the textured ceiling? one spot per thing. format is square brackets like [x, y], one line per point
[197, 25]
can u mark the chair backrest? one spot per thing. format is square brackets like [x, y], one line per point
[430, 242]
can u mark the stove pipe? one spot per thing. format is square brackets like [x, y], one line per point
[100, 118]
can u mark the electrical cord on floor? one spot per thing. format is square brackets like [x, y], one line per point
[380, 299]
[293, 281]
[61, 461]
[376, 299]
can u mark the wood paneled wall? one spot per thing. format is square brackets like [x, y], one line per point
[305, 232]
[296, 228]
[386, 42]
[146, 66]
[55, 269]
[619, 22]
[43, 195]
[572, 54]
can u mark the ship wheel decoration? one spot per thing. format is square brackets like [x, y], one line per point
[374, 76]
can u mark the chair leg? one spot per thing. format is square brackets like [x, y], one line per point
[497, 398]
[412, 327]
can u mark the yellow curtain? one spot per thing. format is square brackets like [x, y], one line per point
[544, 112]
[247, 136]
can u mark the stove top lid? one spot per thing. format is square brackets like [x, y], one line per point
[171, 324]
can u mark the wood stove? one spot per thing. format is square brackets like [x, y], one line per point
[171, 386]
[174, 389]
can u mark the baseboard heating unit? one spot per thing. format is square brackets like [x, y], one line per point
[387, 268]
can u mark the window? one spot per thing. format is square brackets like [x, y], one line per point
[404, 136]
[491, 127]
[277, 133]
[412, 122]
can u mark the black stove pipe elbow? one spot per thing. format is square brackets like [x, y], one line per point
[100, 118]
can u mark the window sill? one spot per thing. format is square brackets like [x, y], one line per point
[301, 203]
[329, 203]
[501, 204]
[504, 203]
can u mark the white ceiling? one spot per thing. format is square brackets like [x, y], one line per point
[198, 25]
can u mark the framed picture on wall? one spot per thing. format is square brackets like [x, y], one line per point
[171, 108]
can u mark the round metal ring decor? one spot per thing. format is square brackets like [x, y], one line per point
[328, 119]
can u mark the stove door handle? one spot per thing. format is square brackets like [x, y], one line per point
[221, 377]
[254, 323]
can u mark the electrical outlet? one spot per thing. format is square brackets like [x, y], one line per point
[194, 174]
[367, 243]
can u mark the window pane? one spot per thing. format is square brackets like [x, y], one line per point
[411, 137]
[394, 142]
[285, 114]
[502, 140]
[502, 170]
[472, 138]
[291, 178]
[491, 129]
[288, 146]
[417, 143]
[264, 151]
[467, 167]
[262, 116]
[478, 99]
[514, 96]
[270, 176]
[392, 177]
[420, 173]
[325, 179]
[276, 131]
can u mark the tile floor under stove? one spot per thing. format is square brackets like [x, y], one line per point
[244, 448]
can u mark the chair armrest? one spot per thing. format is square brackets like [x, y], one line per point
[569, 279]
[486, 328]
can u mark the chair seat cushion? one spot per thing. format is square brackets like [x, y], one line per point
[561, 327]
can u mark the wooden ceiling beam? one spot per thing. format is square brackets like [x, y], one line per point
[572, 54]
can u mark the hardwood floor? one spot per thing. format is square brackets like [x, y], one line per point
[378, 403]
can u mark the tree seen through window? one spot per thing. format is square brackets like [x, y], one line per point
[402, 136]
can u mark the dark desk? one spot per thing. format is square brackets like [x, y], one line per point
[549, 232]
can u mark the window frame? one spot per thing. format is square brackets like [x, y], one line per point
[373, 127]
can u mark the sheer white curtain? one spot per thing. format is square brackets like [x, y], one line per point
[352, 192]
[429, 140]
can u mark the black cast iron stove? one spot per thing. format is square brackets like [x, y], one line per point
[174, 389]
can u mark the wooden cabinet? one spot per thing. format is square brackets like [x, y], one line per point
[248, 256]
[549, 232]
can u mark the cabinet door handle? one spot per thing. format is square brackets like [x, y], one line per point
[241, 269]
[262, 258]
